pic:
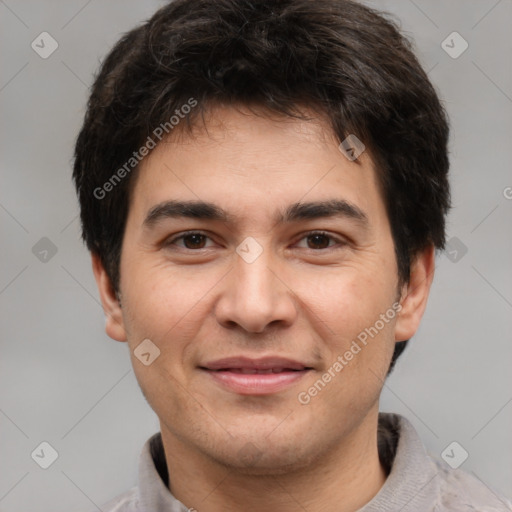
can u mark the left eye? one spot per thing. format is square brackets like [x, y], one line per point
[319, 240]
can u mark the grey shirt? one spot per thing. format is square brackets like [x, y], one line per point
[416, 481]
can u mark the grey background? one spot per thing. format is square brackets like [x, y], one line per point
[62, 380]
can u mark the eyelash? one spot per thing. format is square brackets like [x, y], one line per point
[171, 241]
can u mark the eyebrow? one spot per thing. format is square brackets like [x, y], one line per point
[294, 212]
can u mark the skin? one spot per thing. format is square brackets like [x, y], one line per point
[302, 298]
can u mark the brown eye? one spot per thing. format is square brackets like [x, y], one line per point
[194, 241]
[318, 241]
[190, 241]
[321, 242]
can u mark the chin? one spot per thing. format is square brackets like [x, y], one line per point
[272, 460]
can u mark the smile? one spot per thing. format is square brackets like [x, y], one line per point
[247, 376]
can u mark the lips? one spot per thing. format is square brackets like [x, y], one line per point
[246, 363]
[262, 376]
[255, 370]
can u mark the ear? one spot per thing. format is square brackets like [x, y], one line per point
[415, 294]
[114, 325]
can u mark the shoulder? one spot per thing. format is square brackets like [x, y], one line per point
[419, 480]
[460, 491]
[126, 502]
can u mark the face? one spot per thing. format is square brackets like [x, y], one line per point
[258, 292]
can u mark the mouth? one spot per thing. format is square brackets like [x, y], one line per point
[264, 376]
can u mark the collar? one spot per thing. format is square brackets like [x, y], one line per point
[409, 487]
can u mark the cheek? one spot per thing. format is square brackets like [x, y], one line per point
[347, 300]
[169, 306]
[163, 295]
[349, 306]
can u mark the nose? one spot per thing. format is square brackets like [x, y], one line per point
[255, 295]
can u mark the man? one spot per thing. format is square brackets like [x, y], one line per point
[263, 186]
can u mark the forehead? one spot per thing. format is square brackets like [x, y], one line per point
[252, 162]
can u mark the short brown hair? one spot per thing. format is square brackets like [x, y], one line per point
[346, 60]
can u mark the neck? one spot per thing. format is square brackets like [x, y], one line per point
[343, 479]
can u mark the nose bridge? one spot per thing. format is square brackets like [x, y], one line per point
[254, 297]
[252, 269]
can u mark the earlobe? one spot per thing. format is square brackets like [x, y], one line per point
[415, 294]
[114, 324]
